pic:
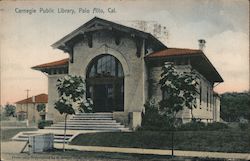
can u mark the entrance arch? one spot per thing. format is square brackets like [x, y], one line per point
[105, 83]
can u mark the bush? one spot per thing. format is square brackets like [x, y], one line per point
[152, 120]
[216, 126]
[192, 126]
[43, 123]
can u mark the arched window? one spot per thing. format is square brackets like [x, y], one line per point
[105, 84]
[105, 66]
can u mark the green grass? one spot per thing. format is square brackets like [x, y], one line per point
[71, 155]
[221, 141]
[7, 134]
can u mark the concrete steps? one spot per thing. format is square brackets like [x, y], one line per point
[90, 121]
[58, 138]
[79, 123]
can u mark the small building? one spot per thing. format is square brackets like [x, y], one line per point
[121, 67]
[28, 108]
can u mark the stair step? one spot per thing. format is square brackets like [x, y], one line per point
[55, 137]
[95, 113]
[87, 128]
[90, 121]
[96, 121]
[87, 123]
[55, 140]
[91, 118]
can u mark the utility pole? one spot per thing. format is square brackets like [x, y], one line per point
[27, 91]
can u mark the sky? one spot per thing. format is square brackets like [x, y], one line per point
[26, 39]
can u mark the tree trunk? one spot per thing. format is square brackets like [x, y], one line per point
[172, 142]
[65, 125]
[192, 115]
[172, 133]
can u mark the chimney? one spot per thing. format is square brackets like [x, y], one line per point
[202, 43]
[33, 99]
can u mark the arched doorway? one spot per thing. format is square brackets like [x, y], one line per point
[105, 84]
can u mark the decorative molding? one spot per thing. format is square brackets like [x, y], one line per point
[139, 44]
[69, 50]
[89, 37]
[105, 49]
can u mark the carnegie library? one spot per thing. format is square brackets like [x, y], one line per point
[122, 66]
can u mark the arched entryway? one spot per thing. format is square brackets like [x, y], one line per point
[105, 83]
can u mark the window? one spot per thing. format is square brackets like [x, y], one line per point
[207, 97]
[200, 93]
[211, 100]
[105, 66]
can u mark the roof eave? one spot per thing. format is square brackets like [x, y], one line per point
[220, 79]
[60, 44]
[41, 68]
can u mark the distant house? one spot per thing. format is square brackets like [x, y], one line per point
[27, 108]
[122, 68]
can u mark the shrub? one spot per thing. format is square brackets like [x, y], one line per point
[152, 120]
[216, 126]
[192, 126]
[43, 123]
[202, 126]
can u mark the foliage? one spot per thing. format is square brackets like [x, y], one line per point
[194, 126]
[216, 126]
[43, 123]
[235, 106]
[71, 91]
[87, 106]
[180, 88]
[9, 110]
[41, 107]
[152, 120]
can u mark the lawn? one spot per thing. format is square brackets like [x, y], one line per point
[72, 155]
[220, 141]
[7, 134]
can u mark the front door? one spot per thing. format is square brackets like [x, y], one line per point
[103, 97]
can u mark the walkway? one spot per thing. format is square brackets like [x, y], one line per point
[180, 153]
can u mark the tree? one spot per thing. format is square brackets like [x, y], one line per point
[71, 91]
[235, 106]
[10, 110]
[41, 107]
[179, 90]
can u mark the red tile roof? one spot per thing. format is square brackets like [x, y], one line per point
[53, 64]
[41, 98]
[174, 52]
[200, 61]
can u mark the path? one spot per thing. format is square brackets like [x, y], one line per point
[180, 153]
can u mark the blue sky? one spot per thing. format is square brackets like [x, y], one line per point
[26, 39]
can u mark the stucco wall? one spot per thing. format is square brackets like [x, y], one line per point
[33, 114]
[125, 52]
[53, 96]
[203, 112]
